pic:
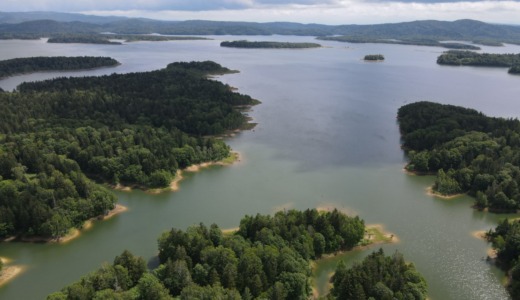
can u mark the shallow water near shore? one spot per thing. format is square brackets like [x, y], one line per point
[326, 137]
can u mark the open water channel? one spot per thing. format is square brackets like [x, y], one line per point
[326, 137]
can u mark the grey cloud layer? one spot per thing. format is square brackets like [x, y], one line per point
[186, 5]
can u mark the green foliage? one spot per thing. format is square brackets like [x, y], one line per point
[506, 241]
[81, 39]
[59, 63]
[135, 129]
[425, 40]
[267, 258]
[379, 277]
[469, 151]
[276, 45]
[468, 58]
[515, 69]
[374, 57]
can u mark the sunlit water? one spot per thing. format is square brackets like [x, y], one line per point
[326, 136]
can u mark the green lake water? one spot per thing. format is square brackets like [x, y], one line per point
[326, 136]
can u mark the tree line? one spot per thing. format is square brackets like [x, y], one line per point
[97, 38]
[379, 277]
[56, 136]
[266, 44]
[469, 58]
[504, 239]
[375, 57]
[468, 151]
[16, 66]
[267, 258]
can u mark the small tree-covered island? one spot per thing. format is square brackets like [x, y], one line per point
[18, 66]
[267, 257]
[470, 152]
[57, 137]
[268, 45]
[374, 57]
[469, 58]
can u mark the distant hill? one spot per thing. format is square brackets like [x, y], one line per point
[424, 31]
[19, 17]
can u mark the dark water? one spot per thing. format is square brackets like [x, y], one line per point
[327, 136]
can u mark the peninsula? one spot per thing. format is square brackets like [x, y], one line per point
[469, 58]
[268, 45]
[468, 151]
[59, 137]
[17, 66]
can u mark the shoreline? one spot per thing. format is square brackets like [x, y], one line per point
[375, 234]
[174, 185]
[9, 272]
[73, 232]
[60, 71]
[431, 192]
[490, 252]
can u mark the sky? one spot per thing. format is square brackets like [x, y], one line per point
[303, 11]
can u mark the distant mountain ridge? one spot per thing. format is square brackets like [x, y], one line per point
[62, 23]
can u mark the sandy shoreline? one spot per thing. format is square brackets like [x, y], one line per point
[174, 184]
[9, 272]
[375, 234]
[74, 232]
[431, 192]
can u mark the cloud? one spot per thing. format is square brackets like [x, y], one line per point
[150, 5]
[303, 11]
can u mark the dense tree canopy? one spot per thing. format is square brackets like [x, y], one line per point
[268, 258]
[506, 241]
[59, 63]
[255, 44]
[469, 151]
[379, 277]
[374, 57]
[135, 129]
[95, 38]
[469, 58]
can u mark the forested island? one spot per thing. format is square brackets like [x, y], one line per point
[269, 45]
[18, 66]
[106, 38]
[504, 239]
[59, 135]
[470, 152]
[469, 58]
[374, 57]
[404, 41]
[268, 257]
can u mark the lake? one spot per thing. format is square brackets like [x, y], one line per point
[326, 137]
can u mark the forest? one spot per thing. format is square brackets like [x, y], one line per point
[106, 38]
[419, 41]
[379, 277]
[273, 45]
[374, 57]
[468, 151]
[267, 258]
[504, 239]
[59, 135]
[469, 58]
[16, 66]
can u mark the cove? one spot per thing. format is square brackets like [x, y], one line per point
[326, 136]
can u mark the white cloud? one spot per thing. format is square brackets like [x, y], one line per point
[346, 12]
[304, 11]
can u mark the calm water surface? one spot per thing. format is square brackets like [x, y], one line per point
[327, 136]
